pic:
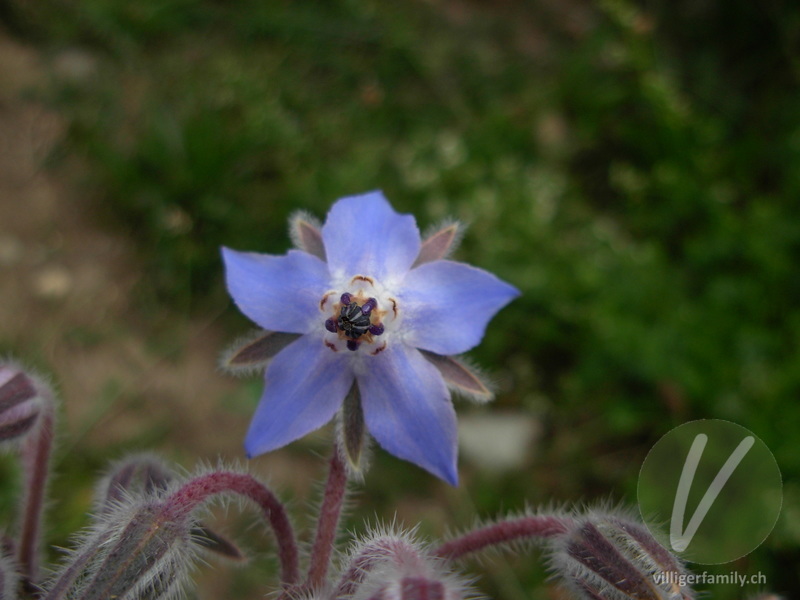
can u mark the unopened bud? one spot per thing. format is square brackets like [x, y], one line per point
[394, 566]
[136, 552]
[20, 404]
[140, 476]
[414, 588]
[612, 557]
[146, 476]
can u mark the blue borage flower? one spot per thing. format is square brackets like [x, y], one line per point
[372, 314]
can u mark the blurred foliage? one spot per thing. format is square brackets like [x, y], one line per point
[631, 167]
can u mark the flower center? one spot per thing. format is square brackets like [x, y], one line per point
[358, 319]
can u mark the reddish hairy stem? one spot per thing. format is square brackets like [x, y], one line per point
[328, 522]
[36, 460]
[196, 491]
[501, 533]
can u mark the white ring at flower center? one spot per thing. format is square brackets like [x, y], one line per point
[387, 313]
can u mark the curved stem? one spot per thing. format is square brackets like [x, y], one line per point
[328, 522]
[502, 533]
[196, 491]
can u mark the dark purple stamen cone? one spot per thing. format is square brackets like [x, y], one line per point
[346, 299]
[352, 321]
[330, 325]
[368, 306]
[352, 345]
[376, 329]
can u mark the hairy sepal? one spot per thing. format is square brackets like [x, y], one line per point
[461, 377]
[440, 242]
[352, 434]
[305, 231]
[253, 352]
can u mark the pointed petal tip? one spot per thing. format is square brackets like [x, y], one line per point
[449, 305]
[451, 476]
[408, 411]
[305, 386]
[387, 242]
[260, 284]
[256, 443]
[247, 453]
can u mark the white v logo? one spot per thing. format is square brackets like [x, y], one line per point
[680, 540]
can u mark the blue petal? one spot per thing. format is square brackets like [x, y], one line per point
[280, 293]
[306, 384]
[407, 408]
[363, 235]
[447, 305]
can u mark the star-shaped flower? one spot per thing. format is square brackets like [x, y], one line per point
[366, 315]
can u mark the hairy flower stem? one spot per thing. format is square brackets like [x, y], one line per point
[36, 461]
[502, 533]
[328, 522]
[196, 491]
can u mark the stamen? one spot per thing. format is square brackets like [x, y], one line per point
[352, 321]
[356, 319]
[369, 306]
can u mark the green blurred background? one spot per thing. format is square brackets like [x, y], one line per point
[634, 168]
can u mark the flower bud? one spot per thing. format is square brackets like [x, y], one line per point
[135, 551]
[414, 588]
[612, 557]
[394, 566]
[20, 404]
[139, 475]
[26, 425]
[146, 476]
